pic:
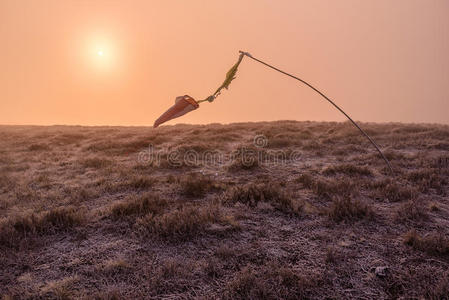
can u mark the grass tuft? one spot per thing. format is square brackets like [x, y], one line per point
[141, 182]
[195, 185]
[435, 244]
[428, 178]
[14, 229]
[331, 188]
[244, 159]
[253, 194]
[115, 266]
[345, 209]
[139, 205]
[392, 191]
[96, 163]
[270, 282]
[182, 223]
[411, 210]
[348, 169]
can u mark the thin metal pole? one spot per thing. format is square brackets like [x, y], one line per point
[329, 100]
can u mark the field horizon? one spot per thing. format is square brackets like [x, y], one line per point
[149, 126]
[253, 210]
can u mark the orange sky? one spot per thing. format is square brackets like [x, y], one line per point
[380, 60]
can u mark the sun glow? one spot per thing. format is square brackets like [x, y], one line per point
[101, 54]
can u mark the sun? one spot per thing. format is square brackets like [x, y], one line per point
[101, 54]
[103, 57]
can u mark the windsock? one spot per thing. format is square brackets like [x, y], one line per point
[183, 105]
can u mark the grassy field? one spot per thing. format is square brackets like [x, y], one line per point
[265, 210]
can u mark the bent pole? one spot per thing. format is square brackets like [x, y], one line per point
[329, 100]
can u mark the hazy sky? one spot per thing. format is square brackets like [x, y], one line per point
[111, 62]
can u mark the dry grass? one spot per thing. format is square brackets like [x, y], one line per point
[327, 188]
[244, 158]
[270, 282]
[435, 243]
[195, 185]
[346, 209]
[59, 289]
[253, 194]
[348, 169]
[331, 188]
[5, 181]
[306, 180]
[83, 217]
[283, 140]
[15, 229]
[429, 179]
[413, 211]
[172, 277]
[38, 147]
[139, 205]
[115, 266]
[392, 191]
[182, 223]
[141, 182]
[96, 163]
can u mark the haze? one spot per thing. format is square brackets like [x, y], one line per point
[124, 62]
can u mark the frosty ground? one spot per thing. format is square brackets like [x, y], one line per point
[248, 210]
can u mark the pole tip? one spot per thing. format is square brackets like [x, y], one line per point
[245, 53]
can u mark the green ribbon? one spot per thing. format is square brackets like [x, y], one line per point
[230, 76]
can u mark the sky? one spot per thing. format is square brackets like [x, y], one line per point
[109, 62]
